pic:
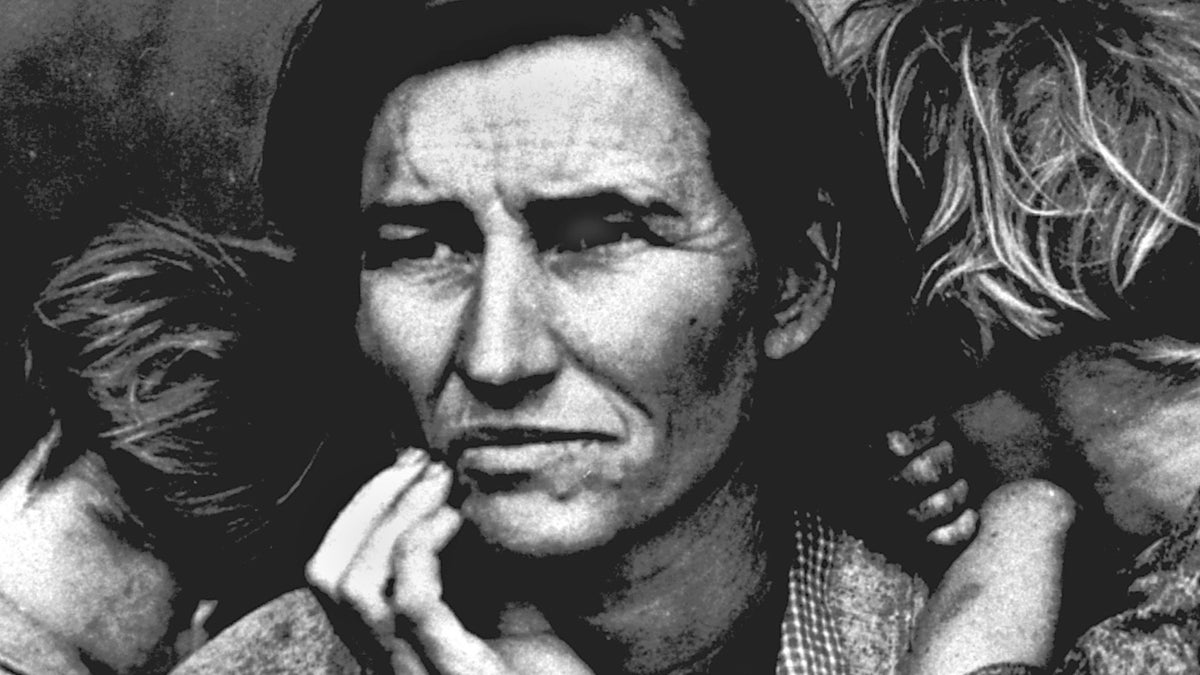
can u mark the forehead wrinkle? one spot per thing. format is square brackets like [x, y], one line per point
[407, 182]
[605, 130]
[412, 154]
[403, 180]
[605, 155]
[517, 124]
[559, 169]
[488, 132]
[546, 97]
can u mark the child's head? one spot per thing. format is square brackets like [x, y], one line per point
[143, 357]
[1046, 155]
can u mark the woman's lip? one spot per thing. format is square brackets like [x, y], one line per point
[560, 468]
[525, 458]
[517, 436]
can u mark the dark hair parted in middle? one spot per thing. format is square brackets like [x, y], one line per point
[778, 138]
[751, 70]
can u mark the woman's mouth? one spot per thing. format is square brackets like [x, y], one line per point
[559, 468]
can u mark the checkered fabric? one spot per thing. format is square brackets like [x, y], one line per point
[809, 644]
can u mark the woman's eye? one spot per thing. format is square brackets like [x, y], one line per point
[605, 223]
[444, 241]
[403, 244]
[594, 231]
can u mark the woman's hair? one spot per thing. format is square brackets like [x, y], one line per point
[779, 139]
[149, 353]
[1046, 154]
[779, 143]
[751, 70]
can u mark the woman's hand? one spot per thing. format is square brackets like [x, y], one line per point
[932, 484]
[380, 557]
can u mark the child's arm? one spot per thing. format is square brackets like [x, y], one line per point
[998, 602]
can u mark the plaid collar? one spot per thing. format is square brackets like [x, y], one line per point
[809, 643]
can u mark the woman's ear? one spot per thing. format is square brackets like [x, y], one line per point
[804, 291]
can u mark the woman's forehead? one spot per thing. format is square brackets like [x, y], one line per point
[565, 80]
[565, 110]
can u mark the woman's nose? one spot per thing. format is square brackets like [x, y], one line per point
[507, 352]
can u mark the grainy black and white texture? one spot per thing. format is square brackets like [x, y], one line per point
[997, 126]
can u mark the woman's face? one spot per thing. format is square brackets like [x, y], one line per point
[557, 282]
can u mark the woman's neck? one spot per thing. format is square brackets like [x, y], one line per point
[66, 572]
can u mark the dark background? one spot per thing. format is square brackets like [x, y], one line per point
[157, 103]
[161, 103]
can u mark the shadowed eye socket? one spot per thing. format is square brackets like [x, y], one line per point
[596, 222]
[442, 232]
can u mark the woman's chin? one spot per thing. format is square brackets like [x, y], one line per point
[536, 523]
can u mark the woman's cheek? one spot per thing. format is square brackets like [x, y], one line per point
[665, 340]
[414, 350]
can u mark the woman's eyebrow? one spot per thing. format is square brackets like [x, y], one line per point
[437, 214]
[553, 209]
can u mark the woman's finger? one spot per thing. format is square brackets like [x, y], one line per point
[931, 467]
[365, 582]
[435, 532]
[916, 438]
[417, 568]
[453, 650]
[958, 532]
[941, 505]
[445, 642]
[405, 658]
[359, 518]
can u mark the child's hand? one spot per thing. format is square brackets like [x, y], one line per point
[932, 484]
[381, 558]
